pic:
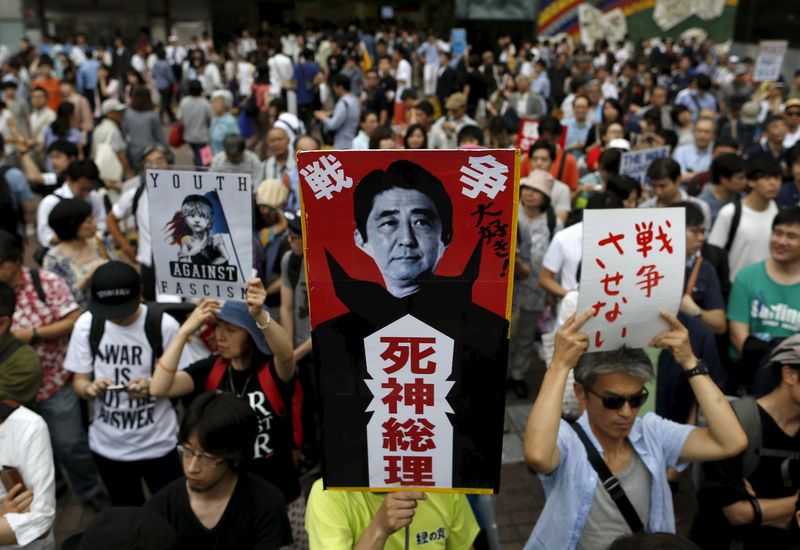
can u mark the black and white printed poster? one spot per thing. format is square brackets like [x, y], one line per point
[201, 225]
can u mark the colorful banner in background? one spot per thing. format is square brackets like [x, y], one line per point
[646, 18]
[409, 258]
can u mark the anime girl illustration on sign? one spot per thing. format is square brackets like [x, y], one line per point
[192, 228]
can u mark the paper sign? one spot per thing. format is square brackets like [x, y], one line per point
[202, 232]
[458, 42]
[636, 163]
[527, 134]
[632, 268]
[409, 258]
[769, 60]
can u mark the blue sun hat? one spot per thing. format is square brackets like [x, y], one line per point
[236, 313]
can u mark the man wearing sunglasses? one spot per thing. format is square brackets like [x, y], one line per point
[580, 511]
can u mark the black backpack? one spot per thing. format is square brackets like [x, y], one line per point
[10, 214]
[152, 331]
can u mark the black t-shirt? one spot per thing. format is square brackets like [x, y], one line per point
[725, 486]
[254, 518]
[273, 449]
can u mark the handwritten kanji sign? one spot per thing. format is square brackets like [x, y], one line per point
[201, 225]
[409, 263]
[633, 267]
[769, 60]
[636, 163]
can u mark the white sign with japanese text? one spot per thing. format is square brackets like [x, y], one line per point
[636, 163]
[633, 267]
[409, 437]
[769, 60]
[201, 226]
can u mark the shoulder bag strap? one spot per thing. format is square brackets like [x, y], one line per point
[216, 374]
[610, 482]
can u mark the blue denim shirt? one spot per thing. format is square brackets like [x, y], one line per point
[570, 488]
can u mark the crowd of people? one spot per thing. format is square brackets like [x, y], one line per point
[196, 426]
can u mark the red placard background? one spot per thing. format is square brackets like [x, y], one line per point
[329, 224]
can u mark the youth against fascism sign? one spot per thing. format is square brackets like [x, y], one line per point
[201, 226]
[633, 266]
[409, 257]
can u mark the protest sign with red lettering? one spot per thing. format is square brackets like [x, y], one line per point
[409, 258]
[633, 267]
[527, 134]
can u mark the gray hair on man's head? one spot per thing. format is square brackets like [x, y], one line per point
[225, 95]
[632, 362]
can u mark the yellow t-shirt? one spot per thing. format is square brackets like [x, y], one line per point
[335, 520]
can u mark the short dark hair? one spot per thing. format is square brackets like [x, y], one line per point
[610, 160]
[195, 88]
[694, 215]
[224, 425]
[763, 166]
[402, 174]
[39, 89]
[726, 141]
[425, 106]
[8, 300]
[341, 80]
[793, 155]
[378, 134]
[67, 216]
[623, 186]
[63, 146]
[544, 146]
[603, 200]
[703, 82]
[10, 247]
[550, 125]
[470, 131]
[775, 117]
[725, 166]
[664, 168]
[787, 216]
[85, 168]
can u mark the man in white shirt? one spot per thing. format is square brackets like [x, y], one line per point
[27, 518]
[750, 240]
[444, 132]
[133, 203]
[696, 158]
[402, 73]
[41, 115]
[80, 182]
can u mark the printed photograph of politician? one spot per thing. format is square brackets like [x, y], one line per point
[415, 244]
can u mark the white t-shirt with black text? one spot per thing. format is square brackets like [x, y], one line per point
[122, 428]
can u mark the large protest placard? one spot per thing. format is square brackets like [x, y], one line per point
[636, 163]
[769, 60]
[527, 134]
[202, 232]
[632, 267]
[409, 262]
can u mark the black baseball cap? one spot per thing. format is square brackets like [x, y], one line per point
[125, 528]
[115, 291]
[294, 221]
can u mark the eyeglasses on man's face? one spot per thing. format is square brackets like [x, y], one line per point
[616, 402]
[205, 460]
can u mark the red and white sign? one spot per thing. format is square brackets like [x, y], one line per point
[633, 266]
